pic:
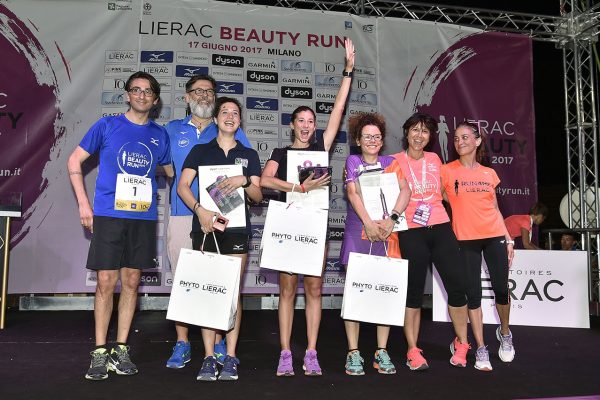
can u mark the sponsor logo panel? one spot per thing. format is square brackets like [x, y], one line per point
[158, 70]
[296, 66]
[228, 61]
[262, 103]
[192, 58]
[363, 99]
[108, 112]
[262, 132]
[340, 151]
[267, 64]
[157, 56]
[120, 56]
[291, 105]
[297, 79]
[262, 77]
[328, 81]
[119, 70]
[226, 87]
[261, 117]
[262, 90]
[151, 278]
[227, 74]
[187, 71]
[329, 68]
[296, 92]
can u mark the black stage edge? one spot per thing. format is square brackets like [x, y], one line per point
[44, 355]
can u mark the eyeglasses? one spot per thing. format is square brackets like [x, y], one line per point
[201, 92]
[376, 138]
[138, 91]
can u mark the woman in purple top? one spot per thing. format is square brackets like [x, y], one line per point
[368, 131]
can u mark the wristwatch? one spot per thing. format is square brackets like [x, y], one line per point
[248, 183]
[347, 74]
[395, 216]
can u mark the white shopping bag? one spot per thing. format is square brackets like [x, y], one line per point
[293, 239]
[205, 290]
[375, 289]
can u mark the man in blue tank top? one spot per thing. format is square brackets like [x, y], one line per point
[123, 220]
[196, 128]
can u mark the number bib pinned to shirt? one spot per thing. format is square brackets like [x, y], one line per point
[133, 193]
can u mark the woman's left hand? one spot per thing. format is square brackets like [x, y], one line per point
[231, 184]
[510, 251]
[387, 227]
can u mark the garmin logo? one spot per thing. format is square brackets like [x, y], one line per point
[259, 103]
[324, 108]
[325, 96]
[262, 77]
[187, 71]
[265, 64]
[295, 79]
[156, 56]
[296, 92]
[227, 61]
[338, 219]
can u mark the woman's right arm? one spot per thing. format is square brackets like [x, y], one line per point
[183, 190]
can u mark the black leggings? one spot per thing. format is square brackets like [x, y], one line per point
[437, 244]
[494, 253]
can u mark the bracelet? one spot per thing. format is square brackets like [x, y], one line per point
[510, 242]
[293, 187]
[247, 184]
[195, 207]
[302, 187]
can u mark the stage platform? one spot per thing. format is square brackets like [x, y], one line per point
[45, 354]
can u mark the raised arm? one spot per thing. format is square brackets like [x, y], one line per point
[74, 163]
[335, 118]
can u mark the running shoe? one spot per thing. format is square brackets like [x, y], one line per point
[311, 365]
[98, 370]
[415, 361]
[383, 363]
[208, 372]
[354, 363]
[459, 353]
[482, 359]
[285, 367]
[229, 372]
[182, 354]
[120, 362]
[220, 351]
[506, 351]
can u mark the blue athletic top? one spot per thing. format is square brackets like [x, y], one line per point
[212, 154]
[184, 135]
[128, 148]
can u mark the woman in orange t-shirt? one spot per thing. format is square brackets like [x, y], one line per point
[428, 240]
[470, 188]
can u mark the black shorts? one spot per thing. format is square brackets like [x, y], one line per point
[122, 242]
[229, 243]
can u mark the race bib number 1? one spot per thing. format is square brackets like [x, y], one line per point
[133, 193]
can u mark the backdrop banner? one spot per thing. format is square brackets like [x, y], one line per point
[547, 288]
[61, 70]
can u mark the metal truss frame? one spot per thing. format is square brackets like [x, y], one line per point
[575, 31]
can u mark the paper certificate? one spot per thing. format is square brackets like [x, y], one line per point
[379, 193]
[298, 159]
[207, 176]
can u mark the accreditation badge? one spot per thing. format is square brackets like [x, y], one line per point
[422, 213]
[133, 193]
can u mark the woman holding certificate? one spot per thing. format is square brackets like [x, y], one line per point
[274, 176]
[223, 153]
[471, 191]
[364, 234]
[429, 239]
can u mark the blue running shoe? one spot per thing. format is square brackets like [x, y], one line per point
[208, 372]
[220, 351]
[229, 371]
[182, 354]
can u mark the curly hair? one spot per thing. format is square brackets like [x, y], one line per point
[358, 122]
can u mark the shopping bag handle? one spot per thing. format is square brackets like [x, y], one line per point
[204, 240]
[384, 246]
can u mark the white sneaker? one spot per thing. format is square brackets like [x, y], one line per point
[482, 359]
[506, 351]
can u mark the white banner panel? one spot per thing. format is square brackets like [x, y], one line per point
[547, 288]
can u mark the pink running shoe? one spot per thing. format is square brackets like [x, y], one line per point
[459, 353]
[285, 367]
[415, 361]
[311, 364]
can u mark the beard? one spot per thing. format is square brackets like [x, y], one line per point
[200, 110]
